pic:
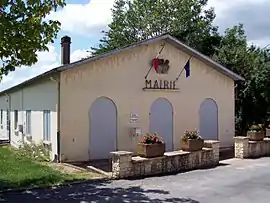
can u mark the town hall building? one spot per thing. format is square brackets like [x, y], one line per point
[84, 110]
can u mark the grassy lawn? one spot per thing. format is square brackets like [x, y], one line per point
[17, 171]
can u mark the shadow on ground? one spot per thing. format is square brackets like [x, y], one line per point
[30, 182]
[104, 164]
[226, 154]
[97, 191]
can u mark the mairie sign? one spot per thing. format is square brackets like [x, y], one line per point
[160, 84]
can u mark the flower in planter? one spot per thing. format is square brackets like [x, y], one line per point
[191, 135]
[152, 139]
[255, 128]
[267, 130]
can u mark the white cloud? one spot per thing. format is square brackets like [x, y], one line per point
[249, 12]
[85, 19]
[263, 43]
[79, 54]
[46, 61]
[93, 17]
[222, 7]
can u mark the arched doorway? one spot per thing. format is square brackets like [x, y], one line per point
[161, 121]
[103, 128]
[208, 118]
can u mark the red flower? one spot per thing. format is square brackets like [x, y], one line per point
[151, 138]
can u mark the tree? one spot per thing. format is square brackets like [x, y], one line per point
[252, 96]
[142, 19]
[23, 31]
[188, 21]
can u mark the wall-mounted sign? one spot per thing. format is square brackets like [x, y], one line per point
[134, 117]
[160, 84]
[161, 66]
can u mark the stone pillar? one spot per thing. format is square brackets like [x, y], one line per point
[214, 144]
[241, 147]
[121, 164]
[267, 147]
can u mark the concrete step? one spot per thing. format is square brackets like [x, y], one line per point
[226, 153]
[4, 142]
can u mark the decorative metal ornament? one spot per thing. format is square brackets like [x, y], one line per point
[162, 65]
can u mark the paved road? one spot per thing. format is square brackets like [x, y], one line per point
[241, 181]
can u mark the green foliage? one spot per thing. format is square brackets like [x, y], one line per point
[23, 31]
[17, 171]
[189, 21]
[191, 135]
[252, 96]
[138, 20]
[33, 151]
[255, 128]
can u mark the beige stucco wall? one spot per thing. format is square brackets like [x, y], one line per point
[121, 78]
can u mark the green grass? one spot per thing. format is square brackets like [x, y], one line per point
[17, 172]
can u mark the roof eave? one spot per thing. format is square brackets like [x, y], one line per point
[166, 37]
[31, 80]
[113, 52]
[204, 58]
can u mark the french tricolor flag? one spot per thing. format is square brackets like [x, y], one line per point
[155, 62]
[187, 68]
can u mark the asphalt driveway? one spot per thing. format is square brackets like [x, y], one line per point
[236, 181]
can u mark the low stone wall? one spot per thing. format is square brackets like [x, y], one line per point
[251, 149]
[124, 165]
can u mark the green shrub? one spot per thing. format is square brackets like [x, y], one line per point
[36, 152]
[255, 128]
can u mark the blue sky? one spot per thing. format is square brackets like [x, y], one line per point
[83, 21]
[79, 39]
[83, 39]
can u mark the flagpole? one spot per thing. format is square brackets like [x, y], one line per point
[182, 69]
[180, 74]
[156, 57]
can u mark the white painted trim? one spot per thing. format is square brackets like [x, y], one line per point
[47, 142]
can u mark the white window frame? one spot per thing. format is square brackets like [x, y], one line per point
[16, 119]
[1, 116]
[47, 125]
[8, 120]
[28, 122]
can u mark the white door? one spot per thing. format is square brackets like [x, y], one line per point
[103, 128]
[161, 121]
[208, 115]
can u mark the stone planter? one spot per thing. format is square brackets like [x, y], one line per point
[150, 150]
[267, 133]
[191, 145]
[255, 136]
